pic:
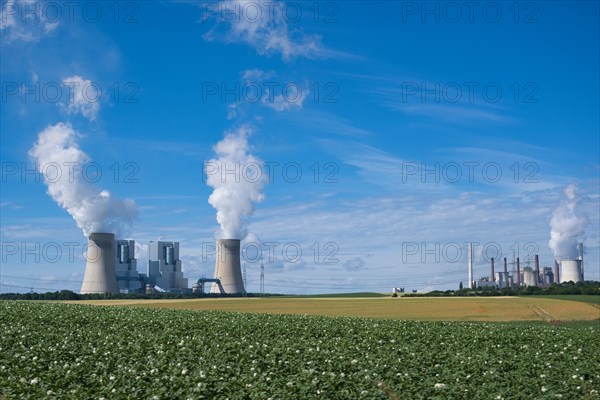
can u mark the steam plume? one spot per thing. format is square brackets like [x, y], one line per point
[60, 160]
[238, 179]
[567, 224]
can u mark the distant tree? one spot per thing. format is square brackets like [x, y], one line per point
[68, 295]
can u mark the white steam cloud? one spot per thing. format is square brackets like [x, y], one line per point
[61, 162]
[83, 97]
[238, 179]
[567, 225]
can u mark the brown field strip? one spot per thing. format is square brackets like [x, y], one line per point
[424, 308]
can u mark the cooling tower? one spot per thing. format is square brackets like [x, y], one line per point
[530, 278]
[100, 276]
[570, 271]
[227, 267]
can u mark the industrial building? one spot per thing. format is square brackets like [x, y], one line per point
[164, 266]
[128, 278]
[569, 270]
[111, 266]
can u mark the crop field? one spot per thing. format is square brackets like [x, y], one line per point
[56, 350]
[413, 308]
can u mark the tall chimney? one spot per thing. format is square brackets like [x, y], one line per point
[505, 265]
[556, 272]
[518, 273]
[493, 276]
[581, 258]
[100, 275]
[470, 265]
[537, 268]
[227, 267]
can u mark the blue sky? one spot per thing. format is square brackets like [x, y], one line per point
[380, 92]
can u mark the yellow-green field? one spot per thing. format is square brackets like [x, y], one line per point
[420, 308]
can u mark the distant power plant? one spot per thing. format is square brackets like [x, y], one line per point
[569, 270]
[111, 267]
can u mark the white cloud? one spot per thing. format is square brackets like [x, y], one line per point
[354, 264]
[22, 20]
[256, 75]
[94, 209]
[266, 89]
[263, 26]
[293, 98]
[83, 97]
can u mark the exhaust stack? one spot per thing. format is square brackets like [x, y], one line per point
[227, 267]
[537, 268]
[100, 275]
[493, 277]
[581, 258]
[556, 272]
[518, 273]
[470, 265]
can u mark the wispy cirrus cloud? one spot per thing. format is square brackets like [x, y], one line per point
[24, 21]
[265, 89]
[83, 97]
[268, 31]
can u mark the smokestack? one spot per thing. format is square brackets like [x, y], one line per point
[227, 267]
[100, 275]
[581, 258]
[556, 272]
[518, 273]
[537, 268]
[493, 276]
[505, 265]
[470, 265]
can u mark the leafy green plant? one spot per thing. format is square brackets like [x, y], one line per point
[53, 350]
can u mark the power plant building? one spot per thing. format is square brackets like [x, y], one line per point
[547, 276]
[164, 266]
[503, 279]
[128, 277]
[530, 277]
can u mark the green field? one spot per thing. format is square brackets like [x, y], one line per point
[412, 308]
[56, 350]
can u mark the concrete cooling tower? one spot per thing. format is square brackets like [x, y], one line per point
[227, 267]
[571, 271]
[100, 276]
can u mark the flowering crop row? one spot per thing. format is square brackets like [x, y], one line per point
[50, 350]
